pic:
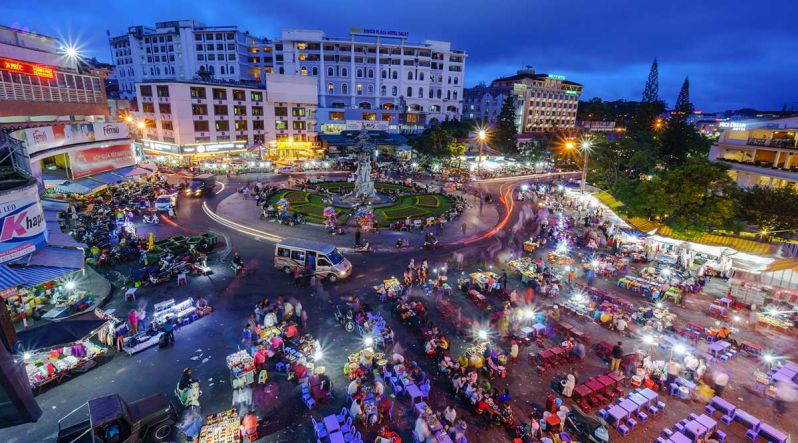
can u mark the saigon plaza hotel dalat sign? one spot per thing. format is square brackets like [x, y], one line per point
[26, 68]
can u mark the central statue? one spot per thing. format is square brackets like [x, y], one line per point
[364, 185]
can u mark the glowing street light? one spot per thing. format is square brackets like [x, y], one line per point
[679, 349]
[482, 334]
[368, 341]
[129, 119]
[141, 125]
[71, 52]
[70, 285]
[318, 355]
[649, 340]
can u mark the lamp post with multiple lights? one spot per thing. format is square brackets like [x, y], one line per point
[584, 147]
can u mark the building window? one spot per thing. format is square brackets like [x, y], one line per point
[410, 75]
[330, 87]
[314, 71]
[420, 92]
[163, 91]
[394, 91]
[299, 126]
[336, 116]
[344, 73]
[147, 107]
[166, 125]
[281, 138]
[383, 90]
[165, 108]
[200, 126]
[146, 90]
[412, 118]
[239, 110]
[219, 94]
[421, 76]
[384, 74]
[256, 97]
[239, 94]
[359, 89]
[371, 73]
[409, 91]
[257, 124]
[197, 92]
[395, 75]
[370, 116]
[298, 112]
[344, 88]
[386, 117]
[199, 110]
[303, 71]
[241, 125]
[281, 125]
[220, 109]
[281, 111]
[359, 73]
[222, 125]
[329, 72]
[257, 110]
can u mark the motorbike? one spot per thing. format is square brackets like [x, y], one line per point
[345, 319]
[431, 242]
[585, 428]
[190, 396]
[238, 268]
[401, 243]
[151, 219]
[364, 247]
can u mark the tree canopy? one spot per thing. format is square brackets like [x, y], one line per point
[505, 137]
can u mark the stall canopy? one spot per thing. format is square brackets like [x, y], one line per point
[61, 332]
[132, 171]
[54, 205]
[36, 275]
[107, 178]
[58, 239]
[82, 186]
[57, 257]
[9, 278]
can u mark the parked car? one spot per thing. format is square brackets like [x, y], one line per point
[165, 202]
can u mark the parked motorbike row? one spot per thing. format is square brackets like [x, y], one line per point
[169, 267]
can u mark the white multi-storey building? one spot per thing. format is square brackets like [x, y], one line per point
[371, 78]
[196, 118]
[184, 50]
[544, 102]
[759, 153]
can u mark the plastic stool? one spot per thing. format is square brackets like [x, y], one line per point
[642, 416]
[752, 434]
[632, 423]
[667, 433]
[721, 435]
[660, 440]
[660, 406]
[653, 410]
[602, 413]
[679, 427]
[727, 419]
[709, 409]
[623, 430]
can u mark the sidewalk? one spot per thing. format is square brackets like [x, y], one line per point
[245, 212]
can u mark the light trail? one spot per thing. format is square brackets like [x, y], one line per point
[239, 227]
[220, 190]
[525, 177]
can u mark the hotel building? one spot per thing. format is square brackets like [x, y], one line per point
[371, 78]
[759, 153]
[196, 119]
[544, 102]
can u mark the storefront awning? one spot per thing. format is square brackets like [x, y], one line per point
[60, 333]
[57, 257]
[131, 171]
[9, 278]
[36, 275]
[82, 186]
[54, 205]
[58, 239]
[107, 178]
[52, 217]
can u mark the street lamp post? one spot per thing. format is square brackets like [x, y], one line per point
[482, 136]
[586, 154]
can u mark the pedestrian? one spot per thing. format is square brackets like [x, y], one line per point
[721, 380]
[297, 276]
[298, 309]
[616, 356]
[133, 319]
[514, 351]
[304, 319]
[246, 338]
[169, 331]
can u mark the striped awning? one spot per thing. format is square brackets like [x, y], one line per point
[107, 178]
[36, 275]
[131, 171]
[739, 244]
[9, 278]
[57, 257]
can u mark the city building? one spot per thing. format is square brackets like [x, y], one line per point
[194, 120]
[186, 50]
[38, 84]
[372, 78]
[596, 126]
[376, 79]
[759, 153]
[544, 102]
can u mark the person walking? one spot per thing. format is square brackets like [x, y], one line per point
[465, 225]
[616, 357]
[721, 380]
[133, 319]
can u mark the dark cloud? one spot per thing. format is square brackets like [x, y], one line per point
[737, 53]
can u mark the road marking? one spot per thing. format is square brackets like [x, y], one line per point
[258, 234]
[220, 190]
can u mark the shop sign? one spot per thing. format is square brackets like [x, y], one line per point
[162, 147]
[736, 126]
[217, 147]
[556, 77]
[22, 225]
[27, 68]
[357, 125]
[379, 32]
[96, 160]
[110, 131]
[39, 139]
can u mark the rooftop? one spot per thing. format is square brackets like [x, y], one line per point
[524, 75]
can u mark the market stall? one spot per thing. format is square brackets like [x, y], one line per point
[57, 349]
[242, 369]
[178, 314]
[222, 427]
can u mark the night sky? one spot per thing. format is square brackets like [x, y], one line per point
[737, 53]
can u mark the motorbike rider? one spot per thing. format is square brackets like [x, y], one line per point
[186, 379]
[238, 263]
[189, 391]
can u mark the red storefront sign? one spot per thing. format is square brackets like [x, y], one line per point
[96, 160]
[26, 68]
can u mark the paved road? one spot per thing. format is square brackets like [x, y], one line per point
[204, 344]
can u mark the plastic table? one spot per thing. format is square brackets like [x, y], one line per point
[772, 434]
[617, 377]
[746, 419]
[582, 390]
[679, 438]
[723, 405]
[337, 437]
[617, 413]
[694, 429]
[638, 399]
[605, 380]
[650, 395]
[331, 423]
[628, 405]
[718, 346]
[594, 385]
[707, 421]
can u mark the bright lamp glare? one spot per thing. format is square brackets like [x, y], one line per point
[26, 356]
[318, 355]
[368, 341]
[649, 340]
[70, 285]
[482, 334]
[768, 358]
[679, 349]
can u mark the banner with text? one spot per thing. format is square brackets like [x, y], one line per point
[22, 221]
[96, 160]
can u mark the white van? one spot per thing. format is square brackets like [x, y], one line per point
[323, 258]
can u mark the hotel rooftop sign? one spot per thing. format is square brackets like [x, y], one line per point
[379, 32]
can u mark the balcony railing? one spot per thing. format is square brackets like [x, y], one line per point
[761, 164]
[787, 143]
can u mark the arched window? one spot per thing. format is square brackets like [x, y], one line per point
[212, 69]
[449, 80]
[371, 73]
[394, 91]
[430, 93]
[344, 88]
[395, 75]
[152, 71]
[384, 74]
[329, 72]
[383, 90]
[409, 91]
[315, 71]
[359, 73]
[421, 76]
[420, 92]
[410, 75]
[455, 95]
[330, 88]
[344, 72]
[439, 93]
[222, 70]
[364, 105]
[281, 70]
[455, 80]
[388, 106]
[370, 89]
[231, 70]
[303, 71]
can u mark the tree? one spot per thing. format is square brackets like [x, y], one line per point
[650, 106]
[770, 209]
[632, 156]
[505, 138]
[696, 196]
[680, 140]
[456, 148]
